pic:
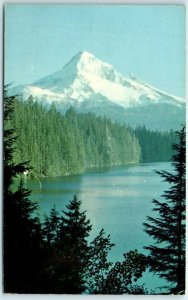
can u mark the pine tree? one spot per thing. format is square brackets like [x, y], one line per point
[51, 227]
[167, 227]
[76, 231]
[71, 250]
[21, 229]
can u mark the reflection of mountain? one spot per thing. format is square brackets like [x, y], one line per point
[89, 84]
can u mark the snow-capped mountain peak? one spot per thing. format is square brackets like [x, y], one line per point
[89, 64]
[85, 62]
[84, 66]
[89, 84]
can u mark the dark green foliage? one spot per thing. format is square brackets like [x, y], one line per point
[57, 144]
[155, 145]
[167, 255]
[21, 229]
[68, 249]
[60, 145]
[99, 265]
[74, 266]
[122, 277]
[10, 168]
[75, 231]
[104, 277]
[51, 227]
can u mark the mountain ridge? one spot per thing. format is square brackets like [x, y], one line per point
[89, 84]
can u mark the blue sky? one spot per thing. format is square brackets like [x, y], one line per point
[145, 40]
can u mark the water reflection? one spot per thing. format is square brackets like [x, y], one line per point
[116, 199]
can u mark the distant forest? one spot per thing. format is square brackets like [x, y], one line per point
[57, 144]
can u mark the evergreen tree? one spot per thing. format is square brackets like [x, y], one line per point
[167, 227]
[21, 229]
[155, 145]
[76, 230]
[57, 144]
[69, 252]
[51, 226]
[53, 277]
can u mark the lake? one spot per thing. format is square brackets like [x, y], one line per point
[117, 199]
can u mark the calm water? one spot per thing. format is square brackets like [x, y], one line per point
[116, 199]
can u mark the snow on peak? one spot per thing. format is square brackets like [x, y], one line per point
[86, 76]
[83, 67]
[89, 84]
[85, 55]
[86, 64]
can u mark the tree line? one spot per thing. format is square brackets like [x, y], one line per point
[55, 256]
[57, 144]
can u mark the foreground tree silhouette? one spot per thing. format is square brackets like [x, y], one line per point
[105, 277]
[76, 228]
[66, 236]
[99, 265]
[122, 277]
[75, 266]
[21, 230]
[167, 227]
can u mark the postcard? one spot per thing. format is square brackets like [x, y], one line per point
[94, 149]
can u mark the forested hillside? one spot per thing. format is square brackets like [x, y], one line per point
[57, 144]
[155, 145]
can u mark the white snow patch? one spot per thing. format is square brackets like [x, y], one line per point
[85, 76]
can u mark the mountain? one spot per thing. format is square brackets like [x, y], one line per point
[88, 84]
